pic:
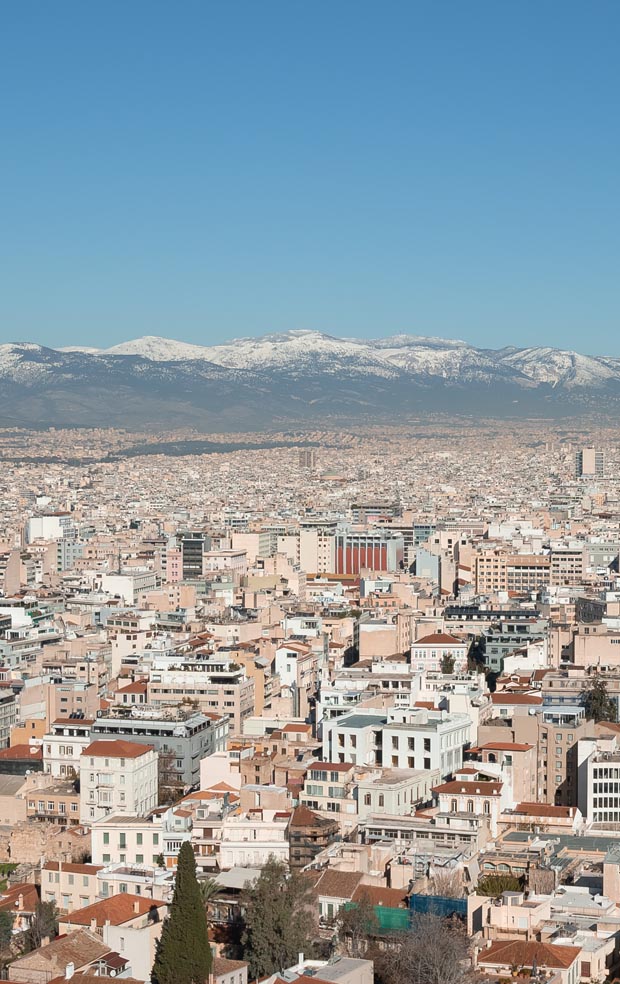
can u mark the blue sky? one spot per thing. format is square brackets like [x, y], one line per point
[206, 170]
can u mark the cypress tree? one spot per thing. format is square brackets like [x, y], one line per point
[183, 954]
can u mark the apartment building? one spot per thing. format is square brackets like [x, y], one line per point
[599, 780]
[69, 886]
[408, 738]
[64, 744]
[137, 841]
[296, 664]
[250, 839]
[117, 776]
[8, 715]
[183, 735]
[330, 789]
[433, 652]
[568, 564]
[217, 684]
[517, 573]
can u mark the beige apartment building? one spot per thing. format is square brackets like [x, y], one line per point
[555, 732]
[223, 689]
[70, 886]
[497, 570]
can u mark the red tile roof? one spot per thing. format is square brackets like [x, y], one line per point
[116, 748]
[118, 909]
[439, 639]
[524, 953]
[545, 810]
[483, 787]
[21, 753]
[508, 698]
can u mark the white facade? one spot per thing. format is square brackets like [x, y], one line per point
[129, 586]
[428, 653]
[117, 776]
[598, 770]
[251, 839]
[63, 747]
[135, 840]
[52, 527]
[408, 738]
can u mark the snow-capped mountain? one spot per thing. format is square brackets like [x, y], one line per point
[300, 351]
[159, 349]
[292, 377]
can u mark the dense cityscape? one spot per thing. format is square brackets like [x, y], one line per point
[368, 677]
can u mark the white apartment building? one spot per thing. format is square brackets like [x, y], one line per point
[63, 746]
[251, 839]
[117, 776]
[394, 792]
[408, 738]
[128, 587]
[141, 841]
[598, 780]
[430, 652]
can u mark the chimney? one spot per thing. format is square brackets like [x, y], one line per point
[69, 971]
[93, 925]
[20, 901]
[300, 962]
[136, 906]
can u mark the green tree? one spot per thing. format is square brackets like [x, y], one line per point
[279, 919]
[6, 928]
[447, 663]
[599, 706]
[494, 885]
[183, 955]
[209, 888]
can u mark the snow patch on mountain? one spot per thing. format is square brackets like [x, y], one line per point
[158, 349]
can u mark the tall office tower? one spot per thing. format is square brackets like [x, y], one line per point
[307, 458]
[589, 463]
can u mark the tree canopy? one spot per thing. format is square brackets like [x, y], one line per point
[599, 706]
[279, 920]
[183, 954]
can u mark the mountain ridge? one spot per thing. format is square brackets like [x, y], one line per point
[299, 375]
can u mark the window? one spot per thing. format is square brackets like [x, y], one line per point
[155, 840]
[139, 858]
[381, 799]
[470, 806]
[138, 839]
[106, 837]
[106, 858]
[486, 808]
[367, 799]
[454, 806]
